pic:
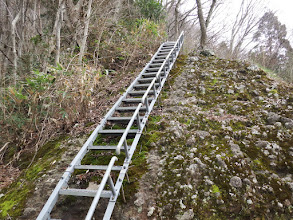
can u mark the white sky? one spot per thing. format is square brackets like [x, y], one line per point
[283, 9]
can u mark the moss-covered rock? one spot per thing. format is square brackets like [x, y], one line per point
[219, 157]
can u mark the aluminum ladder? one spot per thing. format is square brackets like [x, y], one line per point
[136, 103]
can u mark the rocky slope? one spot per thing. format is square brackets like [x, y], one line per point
[220, 147]
[225, 148]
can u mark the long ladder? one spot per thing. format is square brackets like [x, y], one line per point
[131, 110]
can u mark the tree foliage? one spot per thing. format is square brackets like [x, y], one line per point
[151, 9]
[272, 46]
[56, 55]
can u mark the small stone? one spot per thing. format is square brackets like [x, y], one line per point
[192, 70]
[289, 125]
[290, 184]
[192, 169]
[236, 182]
[179, 157]
[278, 124]
[236, 150]
[209, 182]
[230, 91]
[276, 147]
[207, 53]
[150, 211]
[285, 120]
[29, 212]
[92, 186]
[253, 68]
[249, 202]
[262, 144]
[191, 141]
[139, 201]
[287, 202]
[220, 162]
[255, 93]
[254, 180]
[139, 210]
[280, 205]
[202, 134]
[193, 59]
[247, 181]
[266, 152]
[273, 118]
[188, 215]
[221, 111]
[220, 202]
[182, 206]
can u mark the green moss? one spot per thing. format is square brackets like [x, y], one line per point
[15, 195]
[215, 189]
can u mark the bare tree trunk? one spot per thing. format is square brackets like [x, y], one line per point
[56, 33]
[212, 7]
[204, 23]
[39, 18]
[13, 36]
[59, 19]
[35, 16]
[177, 19]
[203, 28]
[86, 29]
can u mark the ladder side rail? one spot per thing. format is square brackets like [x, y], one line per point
[123, 172]
[178, 42]
[77, 160]
[143, 99]
[124, 136]
[101, 188]
[46, 210]
[45, 213]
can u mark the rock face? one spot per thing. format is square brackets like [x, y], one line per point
[236, 182]
[227, 147]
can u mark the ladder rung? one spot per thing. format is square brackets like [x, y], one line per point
[134, 100]
[97, 167]
[146, 80]
[170, 42]
[140, 92]
[85, 192]
[152, 74]
[117, 131]
[146, 85]
[166, 49]
[153, 69]
[155, 65]
[161, 56]
[158, 60]
[130, 108]
[119, 119]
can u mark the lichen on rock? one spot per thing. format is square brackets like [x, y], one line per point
[226, 143]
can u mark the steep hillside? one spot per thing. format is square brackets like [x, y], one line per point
[220, 147]
[226, 146]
